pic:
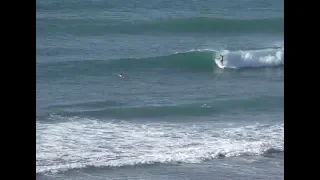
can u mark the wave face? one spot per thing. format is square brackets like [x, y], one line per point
[201, 60]
[83, 143]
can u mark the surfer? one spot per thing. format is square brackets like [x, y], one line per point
[221, 59]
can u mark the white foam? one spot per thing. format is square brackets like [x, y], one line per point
[201, 50]
[197, 50]
[252, 58]
[84, 142]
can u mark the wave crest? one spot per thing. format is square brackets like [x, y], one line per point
[255, 58]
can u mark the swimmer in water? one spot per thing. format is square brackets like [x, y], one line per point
[121, 75]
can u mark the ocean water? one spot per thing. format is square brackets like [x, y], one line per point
[175, 114]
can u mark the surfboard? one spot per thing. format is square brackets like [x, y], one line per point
[219, 64]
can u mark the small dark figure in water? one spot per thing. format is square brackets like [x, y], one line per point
[221, 59]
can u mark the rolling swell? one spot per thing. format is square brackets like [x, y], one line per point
[186, 25]
[189, 61]
[264, 103]
[192, 61]
[274, 25]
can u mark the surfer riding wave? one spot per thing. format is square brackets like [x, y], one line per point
[221, 59]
